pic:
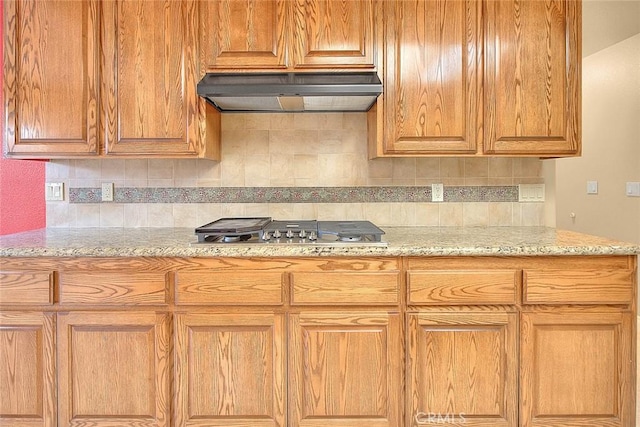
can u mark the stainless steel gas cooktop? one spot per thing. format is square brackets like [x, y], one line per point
[264, 230]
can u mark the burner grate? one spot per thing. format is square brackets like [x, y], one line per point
[350, 231]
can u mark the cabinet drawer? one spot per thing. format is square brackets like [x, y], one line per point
[447, 287]
[26, 287]
[113, 287]
[362, 288]
[578, 286]
[239, 288]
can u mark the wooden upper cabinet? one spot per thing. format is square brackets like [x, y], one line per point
[288, 35]
[51, 77]
[480, 78]
[244, 34]
[432, 86]
[86, 78]
[330, 33]
[532, 77]
[150, 73]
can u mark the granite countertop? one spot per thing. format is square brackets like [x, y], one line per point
[402, 241]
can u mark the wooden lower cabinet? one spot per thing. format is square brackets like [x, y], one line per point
[318, 342]
[462, 369]
[27, 369]
[113, 369]
[344, 369]
[577, 369]
[230, 370]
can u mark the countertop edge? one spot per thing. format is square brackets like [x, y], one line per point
[124, 252]
[401, 241]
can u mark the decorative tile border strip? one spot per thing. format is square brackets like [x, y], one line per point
[295, 194]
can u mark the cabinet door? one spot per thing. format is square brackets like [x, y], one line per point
[334, 34]
[576, 369]
[432, 81]
[51, 77]
[245, 34]
[113, 369]
[462, 369]
[150, 74]
[230, 370]
[532, 77]
[27, 370]
[344, 369]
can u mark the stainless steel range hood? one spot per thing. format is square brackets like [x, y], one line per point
[291, 92]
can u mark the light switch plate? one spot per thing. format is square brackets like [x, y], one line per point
[54, 191]
[592, 187]
[531, 192]
[633, 189]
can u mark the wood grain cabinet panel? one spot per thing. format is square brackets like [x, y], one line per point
[381, 341]
[26, 287]
[344, 369]
[289, 35]
[533, 77]
[87, 78]
[462, 369]
[51, 99]
[576, 369]
[334, 33]
[150, 71]
[450, 287]
[113, 288]
[578, 286]
[367, 288]
[480, 78]
[113, 369]
[226, 287]
[432, 97]
[245, 35]
[230, 370]
[27, 370]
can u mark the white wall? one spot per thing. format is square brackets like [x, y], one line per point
[611, 148]
[607, 22]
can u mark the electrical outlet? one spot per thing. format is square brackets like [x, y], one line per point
[437, 192]
[107, 191]
[54, 191]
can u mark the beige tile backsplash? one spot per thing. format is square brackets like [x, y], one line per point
[294, 150]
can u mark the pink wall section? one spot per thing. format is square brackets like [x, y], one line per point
[22, 205]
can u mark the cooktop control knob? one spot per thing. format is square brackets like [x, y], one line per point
[289, 234]
[313, 235]
[276, 234]
[266, 236]
[303, 234]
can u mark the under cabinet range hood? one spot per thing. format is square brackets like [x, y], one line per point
[291, 92]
